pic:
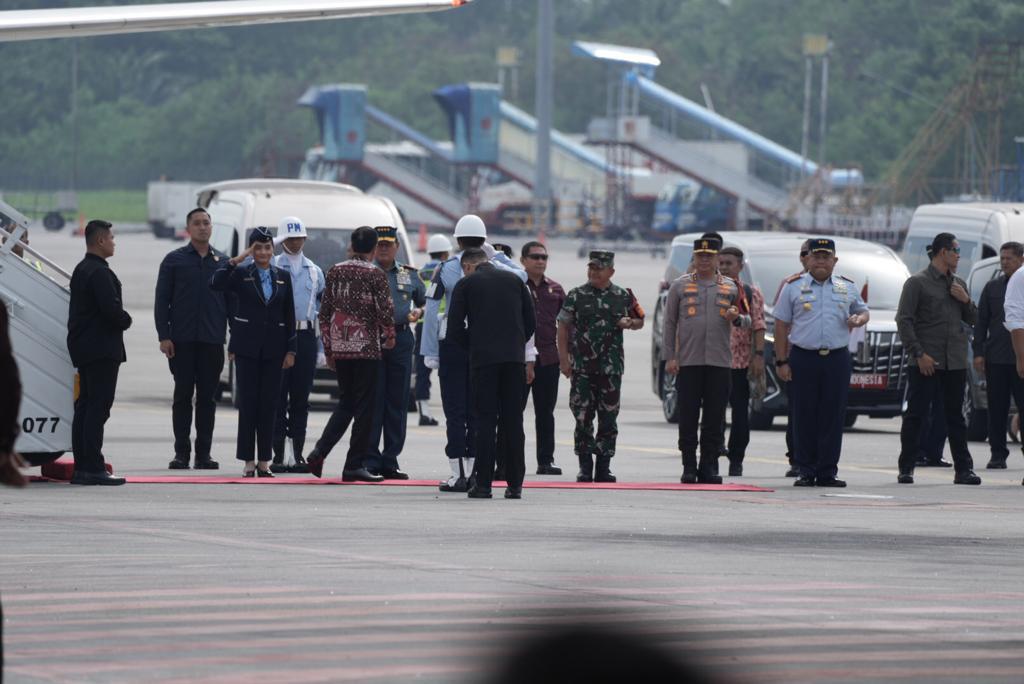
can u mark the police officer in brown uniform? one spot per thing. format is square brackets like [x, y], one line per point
[700, 312]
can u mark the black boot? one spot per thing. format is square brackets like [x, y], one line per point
[603, 470]
[277, 465]
[586, 473]
[300, 463]
[689, 469]
[707, 471]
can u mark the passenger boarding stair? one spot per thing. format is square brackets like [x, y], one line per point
[37, 296]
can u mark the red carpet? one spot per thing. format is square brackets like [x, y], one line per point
[529, 484]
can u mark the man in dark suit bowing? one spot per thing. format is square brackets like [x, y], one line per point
[491, 314]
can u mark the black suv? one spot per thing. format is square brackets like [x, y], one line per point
[878, 383]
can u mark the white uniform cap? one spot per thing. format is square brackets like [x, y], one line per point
[438, 243]
[290, 227]
[470, 225]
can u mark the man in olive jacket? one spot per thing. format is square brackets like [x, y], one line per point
[933, 309]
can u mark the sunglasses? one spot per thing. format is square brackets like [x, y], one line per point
[537, 257]
[804, 252]
[955, 250]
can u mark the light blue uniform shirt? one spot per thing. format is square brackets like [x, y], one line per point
[268, 287]
[817, 312]
[306, 293]
[450, 274]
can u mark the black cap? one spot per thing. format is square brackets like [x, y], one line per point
[386, 234]
[822, 245]
[707, 246]
[260, 234]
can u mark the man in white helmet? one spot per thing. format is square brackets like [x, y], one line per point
[439, 248]
[451, 360]
[297, 381]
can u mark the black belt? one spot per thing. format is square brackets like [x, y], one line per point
[823, 351]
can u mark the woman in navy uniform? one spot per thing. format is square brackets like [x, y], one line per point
[263, 343]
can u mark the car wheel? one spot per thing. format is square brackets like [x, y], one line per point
[669, 398]
[53, 220]
[849, 420]
[761, 420]
[976, 419]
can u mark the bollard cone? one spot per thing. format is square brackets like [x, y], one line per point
[422, 247]
[80, 231]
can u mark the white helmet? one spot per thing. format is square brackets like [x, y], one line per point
[438, 243]
[470, 225]
[290, 227]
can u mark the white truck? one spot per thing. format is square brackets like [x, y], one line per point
[36, 293]
[168, 203]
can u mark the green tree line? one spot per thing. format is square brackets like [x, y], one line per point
[212, 104]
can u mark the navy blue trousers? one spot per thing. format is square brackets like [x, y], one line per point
[259, 382]
[422, 392]
[818, 391]
[390, 411]
[460, 422]
[293, 402]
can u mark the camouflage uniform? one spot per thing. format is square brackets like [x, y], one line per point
[597, 358]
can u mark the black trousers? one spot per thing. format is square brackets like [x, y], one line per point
[96, 388]
[739, 405]
[703, 393]
[357, 388]
[818, 392]
[497, 391]
[259, 382]
[1002, 382]
[391, 404]
[196, 368]
[933, 429]
[545, 397]
[951, 385]
[422, 391]
[293, 399]
[460, 421]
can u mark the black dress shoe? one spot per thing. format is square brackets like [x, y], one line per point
[181, 463]
[605, 476]
[792, 472]
[708, 478]
[80, 477]
[689, 477]
[479, 493]
[967, 477]
[427, 421]
[804, 481]
[395, 474]
[926, 463]
[459, 486]
[279, 467]
[829, 482]
[548, 469]
[315, 463]
[735, 470]
[513, 492]
[249, 473]
[263, 473]
[206, 464]
[905, 478]
[360, 475]
[584, 476]
[996, 464]
[300, 466]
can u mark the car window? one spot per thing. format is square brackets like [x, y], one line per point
[225, 216]
[915, 254]
[981, 276]
[967, 257]
[329, 246]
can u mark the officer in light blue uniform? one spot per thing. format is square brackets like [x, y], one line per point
[813, 317]
[395, 369]
[297, 381]
[451, 360]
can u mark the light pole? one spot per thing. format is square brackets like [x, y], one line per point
[544, 101]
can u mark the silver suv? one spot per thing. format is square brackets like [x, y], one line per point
[878, 383]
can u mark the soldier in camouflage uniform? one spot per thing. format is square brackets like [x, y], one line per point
[590, 353]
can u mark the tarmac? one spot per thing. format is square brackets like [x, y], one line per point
[239, 583]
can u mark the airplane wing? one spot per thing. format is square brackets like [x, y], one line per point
[18, 25]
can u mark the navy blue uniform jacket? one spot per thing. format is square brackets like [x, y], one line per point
[259, 329]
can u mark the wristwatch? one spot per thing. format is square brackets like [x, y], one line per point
[918, 354]
[779, 363]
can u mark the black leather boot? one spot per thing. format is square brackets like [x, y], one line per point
[689, 469]
[603, 470]
[586, 473]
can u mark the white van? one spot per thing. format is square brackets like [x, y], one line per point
[331, 211]
[980, 228]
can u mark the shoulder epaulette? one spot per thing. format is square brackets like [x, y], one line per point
[793, 278]
[410, 268]
[849, 280]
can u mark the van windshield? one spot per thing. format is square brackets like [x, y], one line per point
[329, 246]
[915, 254]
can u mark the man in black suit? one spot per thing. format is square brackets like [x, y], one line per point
[96, 324]
[499, 312]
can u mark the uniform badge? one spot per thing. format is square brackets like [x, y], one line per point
[692, 311]
[807, 306]
[403, 278]
[216, 258]
[839, 288]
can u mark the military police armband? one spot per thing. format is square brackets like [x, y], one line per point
[435, 290]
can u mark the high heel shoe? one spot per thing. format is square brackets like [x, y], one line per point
[263, 473]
